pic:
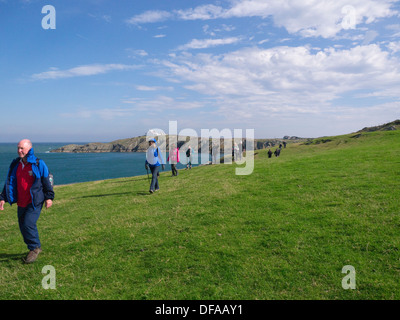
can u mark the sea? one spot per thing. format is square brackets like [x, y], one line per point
[70, 168]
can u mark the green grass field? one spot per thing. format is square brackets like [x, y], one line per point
[283, 232]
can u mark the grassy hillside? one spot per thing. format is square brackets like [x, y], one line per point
[283, 232]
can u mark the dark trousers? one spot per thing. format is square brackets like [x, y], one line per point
[174, 170]
[27, 218]
[189, 162]
[154, 178]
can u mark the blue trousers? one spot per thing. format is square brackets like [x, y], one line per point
[27, 218]
[154, 178]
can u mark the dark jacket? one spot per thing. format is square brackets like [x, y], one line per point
[41, 189]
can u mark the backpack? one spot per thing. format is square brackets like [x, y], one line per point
[51, 179]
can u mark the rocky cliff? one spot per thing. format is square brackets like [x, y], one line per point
[139, 144]
[394, 125]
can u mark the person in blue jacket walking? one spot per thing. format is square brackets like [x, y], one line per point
[28, 186]
[154, 160]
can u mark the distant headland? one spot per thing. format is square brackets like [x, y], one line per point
[139, 144]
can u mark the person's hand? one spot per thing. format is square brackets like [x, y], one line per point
[146, 166]
[163, 166]
[48, 203]
[2, 202]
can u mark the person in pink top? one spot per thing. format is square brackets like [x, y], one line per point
[173, 159]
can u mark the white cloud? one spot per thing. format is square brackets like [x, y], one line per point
[315, 17]
[207, 43]
[150, 17]
[137, 52]
[153, 88]
[80, 71]
[395, 28]
[394, 46]
[105, 114]
[294, 80]
[312, 18]
[370, 37]
[204, 12]
[161, 103]
[213, 31]
[104, 17]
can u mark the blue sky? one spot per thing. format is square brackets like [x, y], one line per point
[116, 69]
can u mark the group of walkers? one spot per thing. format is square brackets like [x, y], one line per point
[28, 184]
[277, 151]
[154, 160]
[237, 152]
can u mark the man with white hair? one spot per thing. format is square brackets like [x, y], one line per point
[29, 186]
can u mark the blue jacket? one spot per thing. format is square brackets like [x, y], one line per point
[154, 158]
[41, 189]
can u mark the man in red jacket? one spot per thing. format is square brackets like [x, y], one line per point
[29, 186]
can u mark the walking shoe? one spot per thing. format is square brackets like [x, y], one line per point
[151, 191]
[32, 255]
